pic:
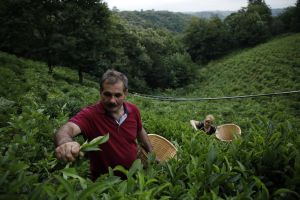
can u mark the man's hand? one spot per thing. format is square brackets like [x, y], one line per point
[68, 151]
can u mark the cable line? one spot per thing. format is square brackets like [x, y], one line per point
[164, 98]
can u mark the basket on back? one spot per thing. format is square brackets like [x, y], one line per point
[162, 148]
[227, 132]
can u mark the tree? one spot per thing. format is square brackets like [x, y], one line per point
[262, 9]
[125, 53]
[84, 27]
[48, 36]
[246, 28]
[158, 44]
[180, 69]
[207, 39]
[30, 28]
[66, 32]
[277, 27]
[17, 26]
[296, 24]
[287, 21]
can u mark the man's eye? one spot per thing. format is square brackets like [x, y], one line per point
[118, 95]
[107, 94]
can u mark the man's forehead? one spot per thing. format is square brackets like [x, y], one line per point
[113, 88]
[107, 83]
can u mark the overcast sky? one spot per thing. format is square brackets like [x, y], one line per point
[191, 5]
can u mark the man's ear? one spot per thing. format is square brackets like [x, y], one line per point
[126, 92]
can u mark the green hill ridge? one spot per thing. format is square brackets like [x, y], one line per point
[269, 67]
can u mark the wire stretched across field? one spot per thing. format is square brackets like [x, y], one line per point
[164, 98]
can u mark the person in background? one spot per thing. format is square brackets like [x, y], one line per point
[206, 125]
[113, 116]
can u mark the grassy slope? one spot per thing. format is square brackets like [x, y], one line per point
[270, 67]
[273, 66]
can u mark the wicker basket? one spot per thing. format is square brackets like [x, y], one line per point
[227, 132]
[162, 148]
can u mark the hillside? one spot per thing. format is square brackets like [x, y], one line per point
[174, 22]
[222, 14]
[277, 11]
[208, 14]
[263, 164]
[269, 67]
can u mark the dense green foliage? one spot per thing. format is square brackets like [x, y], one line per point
[151, 58]
[87, 36]
[257, 70]
[174, 22]
[262, 164]
[69, 33]
[250, 26]
[207, 39]
[290, 19]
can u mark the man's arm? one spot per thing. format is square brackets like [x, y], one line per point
[143, 138]
[66, 148]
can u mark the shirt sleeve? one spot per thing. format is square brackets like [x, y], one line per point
[82, 119]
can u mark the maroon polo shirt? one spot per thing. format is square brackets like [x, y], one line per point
[121, 148]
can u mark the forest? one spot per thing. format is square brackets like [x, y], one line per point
[88, 37]
[53, 53]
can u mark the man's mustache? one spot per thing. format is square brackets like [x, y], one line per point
[111, 105]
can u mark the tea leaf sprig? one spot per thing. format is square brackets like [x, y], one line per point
[93, 145]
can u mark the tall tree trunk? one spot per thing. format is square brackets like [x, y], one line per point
[80, 74]
[49, 64]
[50, 68]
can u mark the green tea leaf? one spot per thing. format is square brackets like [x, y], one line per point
[100, 140]
[121, 169]
[67, 186]
[260, 184]
[91, 149]
[136, 166]
[94, 144]
[284, 191]
[71, 172]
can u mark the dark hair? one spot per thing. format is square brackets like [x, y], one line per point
[113, 76]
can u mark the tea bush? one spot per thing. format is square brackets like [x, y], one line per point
[262, 164]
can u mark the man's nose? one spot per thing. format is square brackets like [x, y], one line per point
[113, 99]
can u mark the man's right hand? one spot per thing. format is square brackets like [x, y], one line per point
[68, 151]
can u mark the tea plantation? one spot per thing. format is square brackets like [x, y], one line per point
[263, 164]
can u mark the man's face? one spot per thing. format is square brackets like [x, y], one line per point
[113, 96]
